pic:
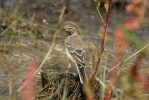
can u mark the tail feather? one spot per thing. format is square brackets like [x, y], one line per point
[82, 73]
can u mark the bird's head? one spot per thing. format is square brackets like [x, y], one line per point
[70, 29]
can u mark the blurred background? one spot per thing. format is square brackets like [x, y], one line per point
[27, 30]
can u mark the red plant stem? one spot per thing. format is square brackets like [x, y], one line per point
[103, 42]
[146, 83]
[112, 78]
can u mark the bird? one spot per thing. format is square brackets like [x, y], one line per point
[75, 50]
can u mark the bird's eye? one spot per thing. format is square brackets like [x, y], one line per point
[70, 28]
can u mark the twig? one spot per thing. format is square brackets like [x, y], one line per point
[58, 91]
[128, 58]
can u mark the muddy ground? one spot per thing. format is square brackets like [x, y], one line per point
[27, 30]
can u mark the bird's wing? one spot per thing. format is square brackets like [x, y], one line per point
[77, 54]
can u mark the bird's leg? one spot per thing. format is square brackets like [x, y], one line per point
[69, 65]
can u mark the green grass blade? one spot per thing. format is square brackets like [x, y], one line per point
[129, 35]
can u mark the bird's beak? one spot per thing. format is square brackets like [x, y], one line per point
[63, 28]
[63, 31]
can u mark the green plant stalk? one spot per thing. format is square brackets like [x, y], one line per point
[65, 92]
[121, 95]
[32, 20]
[134, 39]
[101, 77]
[9, 27]
[97, 4]
[15, 10]
[104, 81]
[65, 89]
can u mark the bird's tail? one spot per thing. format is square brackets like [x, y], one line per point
[82, 73]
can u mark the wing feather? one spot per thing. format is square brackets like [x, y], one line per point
[77, 54]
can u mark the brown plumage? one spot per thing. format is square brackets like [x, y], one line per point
[75, 51]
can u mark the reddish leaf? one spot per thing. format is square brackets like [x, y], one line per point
[28, 90]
